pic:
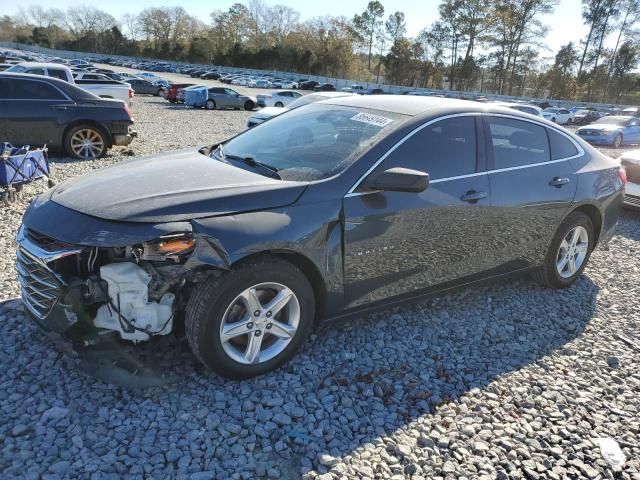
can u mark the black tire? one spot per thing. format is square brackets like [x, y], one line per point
[249, 105]
[279, 104]
[569, 121]
[547, 275]
[206, 307]
[617, 141]
[210, 104]
[71, 146]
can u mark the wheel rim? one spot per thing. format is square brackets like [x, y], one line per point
[87, 143]
[279, 104]
[572, 252]
[617, 141]
[210, 105]
[260, 323]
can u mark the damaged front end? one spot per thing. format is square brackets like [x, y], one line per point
[87, 294]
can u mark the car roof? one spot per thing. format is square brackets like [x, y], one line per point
[403, 104]
[43, 64]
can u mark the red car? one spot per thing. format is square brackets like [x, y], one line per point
[172, 92]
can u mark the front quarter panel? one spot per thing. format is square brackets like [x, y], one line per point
[311, 230]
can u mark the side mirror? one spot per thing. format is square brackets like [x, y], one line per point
[398, 179]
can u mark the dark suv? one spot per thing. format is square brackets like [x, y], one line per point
[37, 110]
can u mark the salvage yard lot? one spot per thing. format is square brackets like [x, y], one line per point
[509, 380]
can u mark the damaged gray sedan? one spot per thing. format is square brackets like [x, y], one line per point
[323, 212]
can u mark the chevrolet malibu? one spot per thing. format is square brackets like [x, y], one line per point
[328, 210]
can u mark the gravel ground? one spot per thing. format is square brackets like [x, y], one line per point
[503, 381]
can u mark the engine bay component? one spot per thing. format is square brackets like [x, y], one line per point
[128, 310]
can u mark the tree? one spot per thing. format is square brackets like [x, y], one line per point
[369, 24]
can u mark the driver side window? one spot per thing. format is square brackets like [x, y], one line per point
[444, 149]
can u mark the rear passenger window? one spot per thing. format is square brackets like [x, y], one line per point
[561, 146]
[61, 74]
[32, 90]
[443, 149]
[517, 143]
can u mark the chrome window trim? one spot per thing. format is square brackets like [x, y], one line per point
[352, 193]
[404, 139]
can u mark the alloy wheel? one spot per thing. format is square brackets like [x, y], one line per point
[572, 252]
[87, 143]
[259, 323]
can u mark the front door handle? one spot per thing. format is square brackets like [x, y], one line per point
[472, 196]
[559, 182]
[60, 107]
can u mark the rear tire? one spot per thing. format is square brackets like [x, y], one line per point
[210, 105]
[85, 142]
[556, 274]
[225, 301]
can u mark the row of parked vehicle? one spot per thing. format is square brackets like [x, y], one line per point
[68, 105]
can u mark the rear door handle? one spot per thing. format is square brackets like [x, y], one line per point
[472, 196]
[559, 182]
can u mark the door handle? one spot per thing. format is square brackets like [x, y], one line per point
[60, 107]
[472, 196]
[559, 182]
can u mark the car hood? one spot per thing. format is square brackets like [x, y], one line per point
[173, 186]
[601, 128]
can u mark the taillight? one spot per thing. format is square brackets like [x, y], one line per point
[622, 175]
[128, 110]
[131, 93]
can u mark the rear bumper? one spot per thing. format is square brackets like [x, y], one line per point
[124, 139]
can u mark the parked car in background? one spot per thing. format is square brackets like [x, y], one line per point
[260, 83]
[171, 93]
[561, 116]
[145, 87]
[633, 111]
[530, 109]
[211, 75]
[373, 91]
[309, 85]
[128, 76]
[250, 242]
[102, 87]
[221, 97]
[613, 130]
[325, 87]
[5, 66]
[278, 98]
[38, 110]
[585, 117]
[630, 161]
[265, 114]
[148, 75]
[355, 88]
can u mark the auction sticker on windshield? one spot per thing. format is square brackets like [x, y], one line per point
[370, 119]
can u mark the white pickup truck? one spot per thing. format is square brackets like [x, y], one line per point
[102, 88]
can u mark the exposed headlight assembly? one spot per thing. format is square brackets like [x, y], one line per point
[168, 247]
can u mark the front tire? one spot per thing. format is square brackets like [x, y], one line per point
[617, 141]
[279, 104]
[248, 105]
[252, 319]
[568, 253]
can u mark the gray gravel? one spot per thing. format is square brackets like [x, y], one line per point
[504, 381]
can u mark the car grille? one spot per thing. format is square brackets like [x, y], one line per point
[588, 132]
[41, 287]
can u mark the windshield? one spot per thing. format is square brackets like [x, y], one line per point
[551, 110]
[314, 142]
[613, 120]
[582, 112]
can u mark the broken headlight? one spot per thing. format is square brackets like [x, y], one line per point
[168, 247]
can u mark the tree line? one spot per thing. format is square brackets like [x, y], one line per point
[487, 46]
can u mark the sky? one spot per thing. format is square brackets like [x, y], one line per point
[565, 24]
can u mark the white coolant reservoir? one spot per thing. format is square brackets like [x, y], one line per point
[128, 291]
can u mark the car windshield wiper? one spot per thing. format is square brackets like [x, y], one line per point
[252, 162]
